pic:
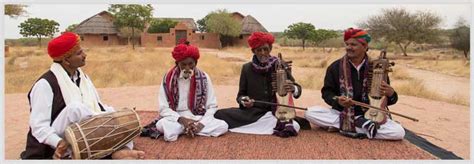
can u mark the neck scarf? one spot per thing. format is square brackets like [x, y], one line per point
[346, 89]
[197, 97]
[263, 67]
[85, 93]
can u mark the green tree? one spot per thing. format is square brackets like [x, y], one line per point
[460, 37]
[38, 28]
[398, 26]
[132, 16]
[161, 26]
[71, 27]
[127, 32]
[321, 35]
[202, 24]
[303, 31]
[221, 22]
[15, 11]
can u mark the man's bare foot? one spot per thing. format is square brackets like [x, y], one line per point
[128, 154]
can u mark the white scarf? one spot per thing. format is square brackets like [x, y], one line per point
[85, 93]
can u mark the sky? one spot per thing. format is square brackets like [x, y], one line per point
[274, 17]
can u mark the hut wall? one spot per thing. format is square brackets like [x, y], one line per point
[157, 40]
[205, 40]
[93, 40]
[241, 42]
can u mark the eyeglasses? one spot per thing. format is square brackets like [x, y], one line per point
[260, 49]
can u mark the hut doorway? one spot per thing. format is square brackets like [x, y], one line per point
[180, 34]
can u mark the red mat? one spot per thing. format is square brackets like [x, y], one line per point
[309, 144]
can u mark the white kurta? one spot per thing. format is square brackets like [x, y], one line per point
[168, 124]
[326, 117]
[264, 125]
[40, 117]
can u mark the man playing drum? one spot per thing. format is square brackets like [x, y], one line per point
[186, 99]
[354, 65]
[256, 84]
[61, 96]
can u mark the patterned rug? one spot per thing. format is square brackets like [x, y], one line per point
[309, 144]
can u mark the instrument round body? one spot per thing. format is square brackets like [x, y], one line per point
[376, 115]
[102, 134]
[285, 114]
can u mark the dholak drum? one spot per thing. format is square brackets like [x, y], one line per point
[102, 134]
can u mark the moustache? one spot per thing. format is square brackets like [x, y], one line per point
[186, 73]
[263, 59]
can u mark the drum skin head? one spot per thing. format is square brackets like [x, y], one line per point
[71, 139]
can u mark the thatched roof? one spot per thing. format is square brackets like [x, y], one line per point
[188, 21]
[250, 25]
[97, 24]
[238, 14]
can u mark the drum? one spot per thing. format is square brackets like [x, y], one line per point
[102, 134]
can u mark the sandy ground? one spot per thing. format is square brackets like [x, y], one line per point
[445, 85]
[444, 124]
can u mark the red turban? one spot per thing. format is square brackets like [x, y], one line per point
[182, 51]
[182, 41]
[358, 34]
[258, 39]
[63, 44]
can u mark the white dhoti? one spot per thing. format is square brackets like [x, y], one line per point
[264, 125]
[172, 129]
[326, 117]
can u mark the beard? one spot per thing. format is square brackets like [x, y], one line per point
[185, 73]
[263, 59]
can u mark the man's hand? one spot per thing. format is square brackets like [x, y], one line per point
[60, 149]
[197, 127]
[186, 122]
[247, 102]
[386, 89]
[344, 101]
[189, 126]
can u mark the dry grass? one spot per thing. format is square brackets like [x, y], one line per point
[121, 66]
[447, 66]
[450, 64]
[111, 67]
[415, 87]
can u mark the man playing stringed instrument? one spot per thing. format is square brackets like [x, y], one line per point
[256, 84]
[347, 78]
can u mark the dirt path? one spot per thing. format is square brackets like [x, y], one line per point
[446, 85]
[447, 123]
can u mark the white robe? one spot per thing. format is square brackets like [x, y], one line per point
[168, 124]
[326, 117]
[41, 107]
